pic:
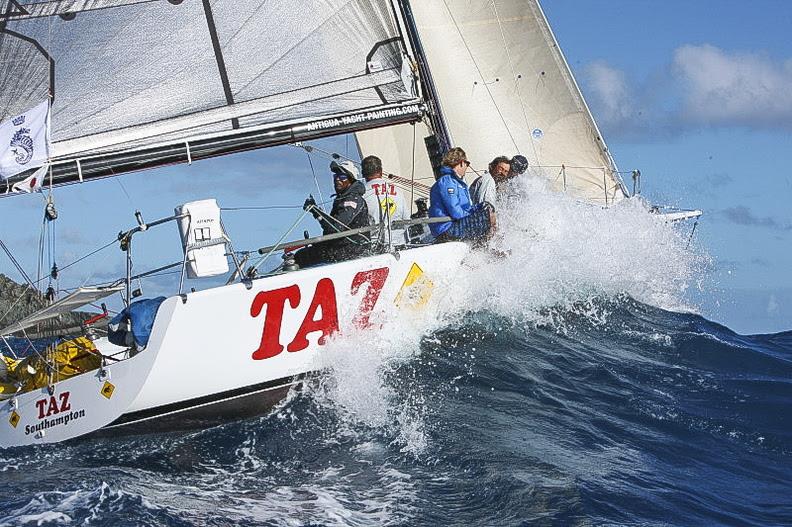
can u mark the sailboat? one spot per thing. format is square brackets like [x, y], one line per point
[133, 85]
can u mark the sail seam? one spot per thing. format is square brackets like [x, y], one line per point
[45, 9]
[515, 77]
[293, 47]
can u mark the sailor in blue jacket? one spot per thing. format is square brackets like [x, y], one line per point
[450, 197]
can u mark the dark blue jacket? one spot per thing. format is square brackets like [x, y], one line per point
[449, 197]
[349, 208]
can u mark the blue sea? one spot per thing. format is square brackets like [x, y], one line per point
[649, 418]
[570, 383]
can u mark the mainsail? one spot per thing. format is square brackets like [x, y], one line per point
[142, 83]
[504, 87]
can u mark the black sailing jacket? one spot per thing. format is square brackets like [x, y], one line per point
[351, 212]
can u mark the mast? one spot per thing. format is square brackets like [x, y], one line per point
[435, 109]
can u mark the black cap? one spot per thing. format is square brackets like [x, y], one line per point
[519, 164]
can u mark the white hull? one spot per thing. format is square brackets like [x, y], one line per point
[229, 351]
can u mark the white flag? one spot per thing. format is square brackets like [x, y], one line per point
[24, 141]
[33, 182]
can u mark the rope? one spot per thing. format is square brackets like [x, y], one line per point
[316, 180]
[52, 252]
[412, 173]
[294, 225]
[40, 261]
[11, 307]
[89, 254]
[690, 238]
[404, 182]
[275, 207]
[8, 345]
[17, 265]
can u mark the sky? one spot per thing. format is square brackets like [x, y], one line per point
[697, 95]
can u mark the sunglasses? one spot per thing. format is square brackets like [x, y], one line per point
[340, 177]
[465, 162]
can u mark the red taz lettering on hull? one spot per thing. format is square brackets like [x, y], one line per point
[324, 301]
[375, 278]
[53, 405]
[274, 300]
[324, 298]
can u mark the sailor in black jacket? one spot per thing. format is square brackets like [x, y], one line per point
[349, 212]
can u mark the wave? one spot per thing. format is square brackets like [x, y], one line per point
[571, 383]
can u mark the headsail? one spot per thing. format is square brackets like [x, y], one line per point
[142, 83]
[505, 88]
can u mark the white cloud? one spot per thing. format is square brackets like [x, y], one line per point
[722, 88]
[611, 94]
[700, 86]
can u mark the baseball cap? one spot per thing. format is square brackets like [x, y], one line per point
[346, 168]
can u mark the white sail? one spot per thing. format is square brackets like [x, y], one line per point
[189, 78]
[504, 88]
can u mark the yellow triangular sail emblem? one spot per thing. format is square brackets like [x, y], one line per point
[416, 290]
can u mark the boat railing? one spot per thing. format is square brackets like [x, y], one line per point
[125, 239]
[596, 177]
[396, 224]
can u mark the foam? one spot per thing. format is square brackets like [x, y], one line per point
[565, 256]
[564, 253]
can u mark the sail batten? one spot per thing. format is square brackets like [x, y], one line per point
[73, 148]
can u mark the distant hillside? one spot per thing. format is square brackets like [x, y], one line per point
[23, 301]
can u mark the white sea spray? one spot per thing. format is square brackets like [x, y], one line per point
[565, 254]
[562, 256]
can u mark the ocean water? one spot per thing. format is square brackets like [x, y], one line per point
[570, 383]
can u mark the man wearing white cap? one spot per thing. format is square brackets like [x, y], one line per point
[349, 212]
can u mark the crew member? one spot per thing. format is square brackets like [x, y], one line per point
[518, 165]
[484, 188]
[384, 199]
[449, 196]
[349, 212]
